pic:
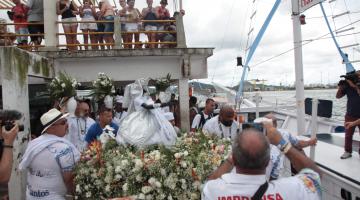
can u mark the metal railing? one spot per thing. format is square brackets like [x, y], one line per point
[117, 34]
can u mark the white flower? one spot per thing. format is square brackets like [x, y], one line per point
[118, 177]
[108, 188]
[183, 164]
[170, 197]
[194, 196]
[138, 178]
[149, 197]
[183, 181]
[177, 155]
[78, 189]
[138, 164]
[108, 179]
[186, 153]
[124, 163]
[88, 194]
[125, 187]
[118, 169]
[141, 196]
[86, 187]
[163, 172]
[63, 85]
[146, 189]
[152, 181]
[158, 184]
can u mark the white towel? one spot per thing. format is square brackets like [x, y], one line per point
[36, 146]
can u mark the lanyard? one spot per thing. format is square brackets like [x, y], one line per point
[80, 129]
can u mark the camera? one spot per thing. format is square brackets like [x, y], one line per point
[257, 126]
[7, 118]
[351, 76]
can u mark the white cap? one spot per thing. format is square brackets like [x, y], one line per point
[119, 99]
[169, 116]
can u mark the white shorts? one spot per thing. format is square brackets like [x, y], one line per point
[71, 19]
[150, 28]
[131, 27]
[89, 26]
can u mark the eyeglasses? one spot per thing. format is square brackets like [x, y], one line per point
[62, 123]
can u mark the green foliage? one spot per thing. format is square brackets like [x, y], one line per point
[62, 86]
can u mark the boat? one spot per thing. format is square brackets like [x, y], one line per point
[340, 179]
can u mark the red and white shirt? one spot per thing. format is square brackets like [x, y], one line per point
[305, 185]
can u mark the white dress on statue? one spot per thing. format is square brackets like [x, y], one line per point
[143, 127]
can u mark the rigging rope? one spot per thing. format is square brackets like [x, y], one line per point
[222, 41]
[308, 42]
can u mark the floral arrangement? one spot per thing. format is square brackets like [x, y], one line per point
[63, 86]
[103, 86]
[155, 172]
[161, 84]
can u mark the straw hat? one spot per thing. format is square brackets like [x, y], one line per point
[51, 117]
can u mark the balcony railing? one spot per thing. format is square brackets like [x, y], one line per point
[7, 39]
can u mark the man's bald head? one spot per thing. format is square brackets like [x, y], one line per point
[251, 150]
[226, 115]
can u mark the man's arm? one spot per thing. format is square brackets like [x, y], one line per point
[224, 168]
[7, 156]
[306, 143]
[195, 122]
[340, 92]
[299, 160]
[352, 124]
[69, 181]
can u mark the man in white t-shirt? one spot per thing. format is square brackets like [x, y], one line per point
[50, 160]
[201, 118]
[79, 125]
[222, 125]
[250, 156]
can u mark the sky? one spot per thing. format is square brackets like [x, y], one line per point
[224, 26]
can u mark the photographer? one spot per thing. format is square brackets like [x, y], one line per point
[352, 91]
[6, 152]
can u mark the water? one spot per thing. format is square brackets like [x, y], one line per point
[287, 98]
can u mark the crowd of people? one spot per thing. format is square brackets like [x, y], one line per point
[251, 171]
[97, 23]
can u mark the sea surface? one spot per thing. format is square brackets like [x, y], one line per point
[288, 98]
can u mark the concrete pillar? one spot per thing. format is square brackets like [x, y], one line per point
[50, 26]
[184, 104]
[117, 33]
[15, 96]
[180, 32]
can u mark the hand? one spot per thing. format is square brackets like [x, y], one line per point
[349, 125]
[312, 141]
[351, 84]
[9, 136]
[271, 132]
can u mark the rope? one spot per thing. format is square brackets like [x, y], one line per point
[223, 38]
[308, 42]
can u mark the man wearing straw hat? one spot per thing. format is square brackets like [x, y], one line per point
[50, 160]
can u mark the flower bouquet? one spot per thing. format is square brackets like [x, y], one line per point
[154, 172]
[161, 84]
[62, 86]
[103, 89]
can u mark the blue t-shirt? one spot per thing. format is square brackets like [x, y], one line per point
[95, 131]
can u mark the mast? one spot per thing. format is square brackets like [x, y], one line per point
[299, 72]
